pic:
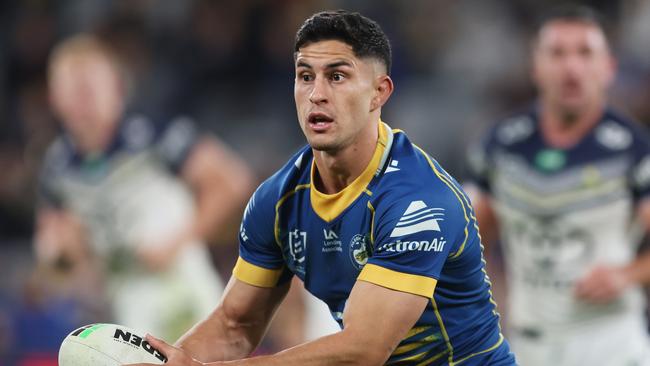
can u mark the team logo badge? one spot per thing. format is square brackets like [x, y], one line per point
[553, 252]
[551, 159]
[359, 251]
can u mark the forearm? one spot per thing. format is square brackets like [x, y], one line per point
[236, 326]
[217, 338]
[342, 348]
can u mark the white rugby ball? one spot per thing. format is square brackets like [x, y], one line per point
[107, 345]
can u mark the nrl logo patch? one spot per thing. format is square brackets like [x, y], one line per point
[297, 249]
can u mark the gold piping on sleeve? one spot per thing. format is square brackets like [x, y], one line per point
[276, 226]
[405, 282]
[256, 275]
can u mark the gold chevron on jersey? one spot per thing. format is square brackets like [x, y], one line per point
[418, 217]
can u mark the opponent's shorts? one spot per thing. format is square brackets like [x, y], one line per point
[613, 342]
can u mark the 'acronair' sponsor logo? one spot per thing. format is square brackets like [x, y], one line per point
[436, 245]
[417, 218]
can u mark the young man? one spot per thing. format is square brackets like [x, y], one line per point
[370, 223]
[138, 197]
[562, 183]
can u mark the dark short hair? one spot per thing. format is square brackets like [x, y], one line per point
[363, 34]
[573, 13]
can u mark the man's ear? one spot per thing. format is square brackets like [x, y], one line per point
[383, 89]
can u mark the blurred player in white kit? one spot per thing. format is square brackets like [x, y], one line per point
[140, 197]
[567, 185]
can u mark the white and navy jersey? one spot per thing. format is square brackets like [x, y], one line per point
[403, 224]
[117, 192]
[561, 211]
[131, 196]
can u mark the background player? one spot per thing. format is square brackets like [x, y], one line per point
[138, 196]
[563, 183]
[368, 221]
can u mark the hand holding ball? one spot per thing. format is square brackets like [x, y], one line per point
[107, 345]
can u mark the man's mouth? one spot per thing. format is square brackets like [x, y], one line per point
[319, 119]
[571, 86]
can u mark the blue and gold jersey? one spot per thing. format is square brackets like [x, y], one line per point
[403, 224]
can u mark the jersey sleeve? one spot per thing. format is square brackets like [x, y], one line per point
[260, 261]
[414, 236]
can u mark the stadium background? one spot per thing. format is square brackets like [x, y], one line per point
[458, 65]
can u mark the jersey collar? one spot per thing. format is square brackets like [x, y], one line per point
[330, 206]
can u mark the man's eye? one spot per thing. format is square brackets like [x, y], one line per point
[306, 77]
[585, 52]
[557, 52]
[337, 76]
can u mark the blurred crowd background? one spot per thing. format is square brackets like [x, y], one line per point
[458, 66]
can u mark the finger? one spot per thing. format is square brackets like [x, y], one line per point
[158, 343]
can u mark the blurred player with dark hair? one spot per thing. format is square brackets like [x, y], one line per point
[369, 222]
[564, 184]
[140, 196]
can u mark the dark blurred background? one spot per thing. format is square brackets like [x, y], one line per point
[458, 65]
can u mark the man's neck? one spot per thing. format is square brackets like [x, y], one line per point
[96, 141]
[563, 129]
[335, 170]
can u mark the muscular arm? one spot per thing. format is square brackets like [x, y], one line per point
[237, 325]
[375, 322]
[221, 182]
[372, 330]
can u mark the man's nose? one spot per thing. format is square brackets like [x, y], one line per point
[319, 91]
[574, 64]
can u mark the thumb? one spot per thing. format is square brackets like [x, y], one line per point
[159, 345]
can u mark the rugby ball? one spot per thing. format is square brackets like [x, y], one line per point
[107, 345]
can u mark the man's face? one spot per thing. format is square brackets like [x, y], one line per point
[572, 65]
[335, 93]
[86, 93]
